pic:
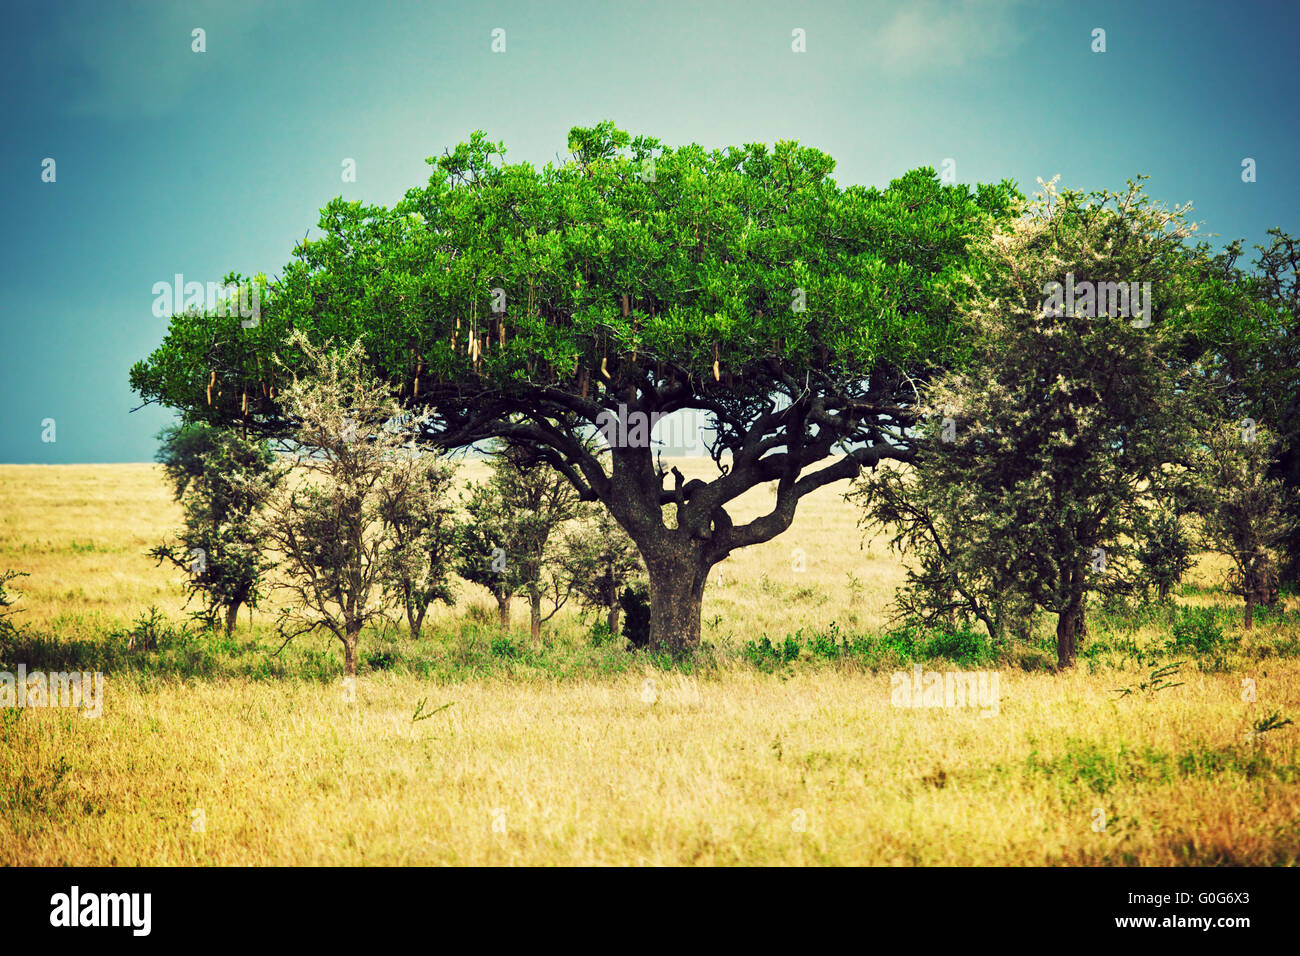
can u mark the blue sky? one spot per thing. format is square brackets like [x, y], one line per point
[171, 161]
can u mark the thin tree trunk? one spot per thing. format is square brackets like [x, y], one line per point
[350, 653]
[415, 620]
[1250, 610]
[535, 614]
[232, 613]
[613, 620]
[1067, 632]
[503, 612]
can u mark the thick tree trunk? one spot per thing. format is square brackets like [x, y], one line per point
[232, 611]
[503, 612]
[613, 620]
[676, 599]
[1068, 625]
[350, 653]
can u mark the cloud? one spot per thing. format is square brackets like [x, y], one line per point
[928, 35]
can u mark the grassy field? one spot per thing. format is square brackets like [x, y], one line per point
[216, 751]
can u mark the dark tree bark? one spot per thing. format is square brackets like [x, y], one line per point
[676, 598]
[503, 611]
[1068, 626]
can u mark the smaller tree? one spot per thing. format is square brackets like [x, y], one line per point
[1166, 547]
[511, 541]
[601, 562]
[1243, 511]
[1075, 399]
[326, 514]
[485, 541]
[416, 510]
[212, 472]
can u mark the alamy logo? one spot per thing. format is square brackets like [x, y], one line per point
[179, 295]
[627, 429]
[58, 689]
[948, 689]
[102, 909]
[1091, 299]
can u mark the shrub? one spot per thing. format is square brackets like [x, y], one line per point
[600, 633]
[765, 654]
[504, 647]
[1196, 630]
[963, 646]
[480, 614]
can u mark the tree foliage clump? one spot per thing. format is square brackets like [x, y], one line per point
[1042, 450]
[214, 473]
[1244, 511]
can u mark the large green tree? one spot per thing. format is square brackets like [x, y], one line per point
[632, 279]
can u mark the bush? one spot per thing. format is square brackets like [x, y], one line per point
[830, 644]
[1196, 630]
[7, 600]
[600, 634]
[380, 660]
[765, 654]
[481, 614]
[152, 630]
[962, 646]
[503, 646]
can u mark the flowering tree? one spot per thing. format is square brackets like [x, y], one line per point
[1040, 452]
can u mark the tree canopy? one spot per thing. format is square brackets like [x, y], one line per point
[795, 315]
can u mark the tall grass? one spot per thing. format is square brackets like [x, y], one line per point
[778, 743]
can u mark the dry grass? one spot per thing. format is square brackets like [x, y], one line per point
[729, 765]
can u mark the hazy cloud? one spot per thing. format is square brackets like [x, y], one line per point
[928, 35]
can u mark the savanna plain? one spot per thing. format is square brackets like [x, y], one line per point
[778, 743]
